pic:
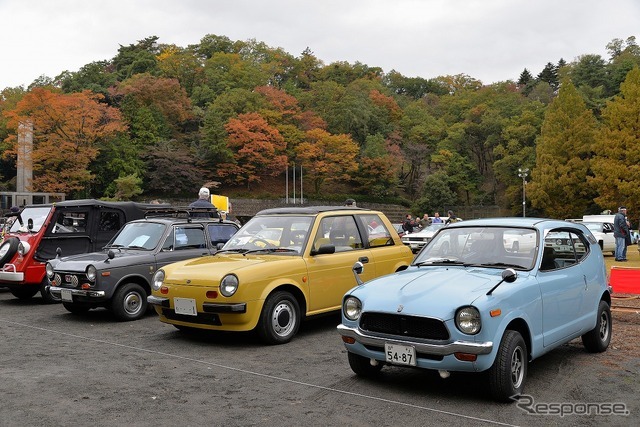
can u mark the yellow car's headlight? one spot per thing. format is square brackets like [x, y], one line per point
[229, 285]
[158, 280]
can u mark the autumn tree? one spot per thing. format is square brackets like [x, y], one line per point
[327, 158]
[616, 164]
[559, 179]
[258, 150]
[68, 132]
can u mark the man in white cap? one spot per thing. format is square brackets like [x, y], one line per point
[203, 202]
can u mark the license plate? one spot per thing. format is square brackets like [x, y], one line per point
[186, 306]
[65, 295]
[400, 354]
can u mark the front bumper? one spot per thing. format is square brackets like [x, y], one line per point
[421, 347]
[81, 293]
[207, 307]
[9, 274]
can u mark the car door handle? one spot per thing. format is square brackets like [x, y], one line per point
[363, 259]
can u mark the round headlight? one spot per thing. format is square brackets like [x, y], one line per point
[228, 285]
[49, 269]
[352, 308]
[23, 248]
[91, 273]
[468, 320]
[158, 280]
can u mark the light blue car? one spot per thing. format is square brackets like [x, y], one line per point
[473, 301]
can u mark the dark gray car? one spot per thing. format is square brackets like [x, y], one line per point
[118, 277]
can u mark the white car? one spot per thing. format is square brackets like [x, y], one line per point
[417, 240]
[603, 232]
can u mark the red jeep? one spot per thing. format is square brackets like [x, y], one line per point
[73, 227]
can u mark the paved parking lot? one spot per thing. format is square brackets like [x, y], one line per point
[62, 369]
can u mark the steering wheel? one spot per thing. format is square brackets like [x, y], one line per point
[267, 244]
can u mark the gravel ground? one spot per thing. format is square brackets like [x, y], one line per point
[60, 369]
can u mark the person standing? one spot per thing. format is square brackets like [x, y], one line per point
[204, 202]
[436, 218]
[621, 232]
[452, 218]
[424, 222]
[408, 224]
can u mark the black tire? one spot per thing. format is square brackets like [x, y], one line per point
[76, 308]
[8, 249]
[129, 302]
[47, 296]
[24, 291]
[280, 318]
[597, 340]
[509, 371]
[362, 366]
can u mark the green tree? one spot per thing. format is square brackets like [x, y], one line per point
[559, 186]
[616, 163]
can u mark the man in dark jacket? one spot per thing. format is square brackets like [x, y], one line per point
[621, 233]
[203, 202]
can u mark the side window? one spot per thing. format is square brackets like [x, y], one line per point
[377, 234]
[566, 248]
[189, 238]
[340, 231]
[109, 221]
[168, 243]
[70, 222]
[221, 233]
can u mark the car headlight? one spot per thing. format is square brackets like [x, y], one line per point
[352, 308]
[229, 285]
[158, 280]
[468, 320]
[49, 269]
[23, 248]
[92, 272]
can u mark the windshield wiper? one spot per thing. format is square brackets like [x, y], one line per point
[499, 264]
[440, 261]
[114, 246]
[135, 247]
[238, 250]
[269, 250]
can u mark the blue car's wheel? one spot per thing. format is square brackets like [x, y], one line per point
[362, 365]
[509, 371]
[597, 340]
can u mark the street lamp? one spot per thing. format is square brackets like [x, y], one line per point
[523, 173]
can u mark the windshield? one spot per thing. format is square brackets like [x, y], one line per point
[139, 235]
[485, 246]
[37, 214]
[433, 228]
[278, 234]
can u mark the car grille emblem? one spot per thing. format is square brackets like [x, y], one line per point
[400, 308]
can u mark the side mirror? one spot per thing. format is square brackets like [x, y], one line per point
[358, 269]
[325, 249]
[58, 252]
[111, 254]
[30, 224]
[509, 275]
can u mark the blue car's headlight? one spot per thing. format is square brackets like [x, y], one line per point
[352, 308]
[468, 320]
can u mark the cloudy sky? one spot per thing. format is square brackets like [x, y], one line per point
[490, 40]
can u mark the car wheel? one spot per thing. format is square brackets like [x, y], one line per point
[8, 249]
[75, 308]
[24, 291]
[47, 296]
[280, 318]
[362, 366]
[509, 371]
[597, 340]
[129, 302]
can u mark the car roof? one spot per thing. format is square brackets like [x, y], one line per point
[173, 220]
[310, 210]
[542, 223]
[128, 207]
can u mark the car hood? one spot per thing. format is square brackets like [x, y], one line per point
[432, 291]
[212, 269]
[98, 259]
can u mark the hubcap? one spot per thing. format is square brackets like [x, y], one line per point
[517, 367]
[132, 303]
[604, 326]
[283, 319]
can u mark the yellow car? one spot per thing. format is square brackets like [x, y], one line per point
[283, 265]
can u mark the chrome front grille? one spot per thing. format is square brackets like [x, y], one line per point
[405, 326]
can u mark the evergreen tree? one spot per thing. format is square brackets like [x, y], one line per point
[559, 184]
[616, 164]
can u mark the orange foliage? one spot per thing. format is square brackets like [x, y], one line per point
[68, 130]
[387, 102]
[258, 149]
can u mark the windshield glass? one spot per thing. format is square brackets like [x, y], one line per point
[432, 228]
[143, 235]
[270, 233]
[37, 214]
[486, 246]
